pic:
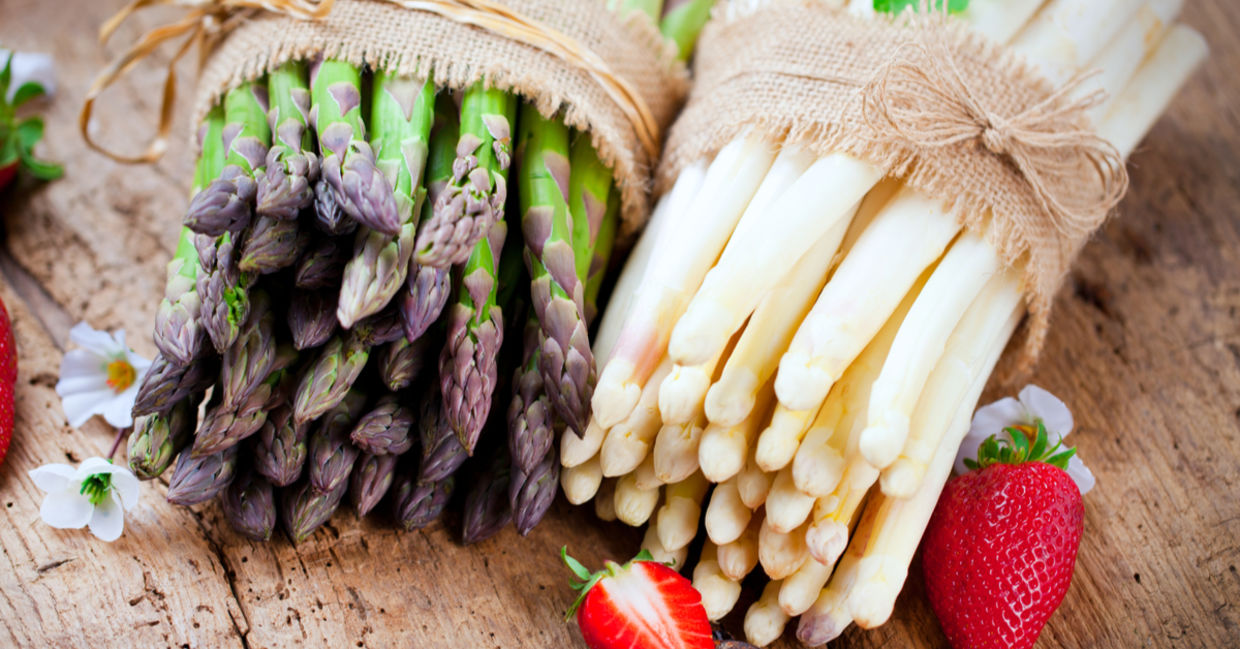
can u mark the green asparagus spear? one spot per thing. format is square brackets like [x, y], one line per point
[531, 494]
[249, 360]
[487, 507]
[348, 162]
[303, 508]
[475, 197]
[400, 362]
[197, 480]
[385, 430]
[226, 204]
[683, 21]
[167, 384]
[442, 452]
[401, 118]
[428, 287]
[321, 264]
[556, 289]
[281, 450]
[370, 480]
[272, 244]
[158, 438]
[224, 291]
[419, 503]
[249, 505]
[287, 186]
[530, 417]
[327, 380]
[331, 454]
[311, 317]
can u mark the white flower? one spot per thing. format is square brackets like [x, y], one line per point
[100, 378]
[30, 66]
[96, 493]
[1034, 404]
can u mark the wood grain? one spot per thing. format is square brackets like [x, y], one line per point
[1145, 349]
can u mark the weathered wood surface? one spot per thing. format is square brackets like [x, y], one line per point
[1145, 349]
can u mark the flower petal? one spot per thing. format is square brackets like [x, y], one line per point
[1080, 474]
[108, 521]
[1049, 408]
[119, 410]
[98, 342]
[125, 485]
[80, 363]
[54, 478]
[92, 465]
[82, 384]
[31, 66]
[989, 420]
[81, 407]
[66, 510]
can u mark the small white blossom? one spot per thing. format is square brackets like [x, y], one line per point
[97, 493]
[1033, 404]
[101, 377]
[30, 66]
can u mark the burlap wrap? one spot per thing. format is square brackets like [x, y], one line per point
[416, 43]
[799, 72]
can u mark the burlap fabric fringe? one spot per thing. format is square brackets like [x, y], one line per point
[614, 78]
[952, 114]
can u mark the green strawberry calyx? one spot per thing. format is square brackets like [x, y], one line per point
[586, 579]
[18, 137]
[1015, 447]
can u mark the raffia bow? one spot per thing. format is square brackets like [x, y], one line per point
[208, 21]
[921, 99]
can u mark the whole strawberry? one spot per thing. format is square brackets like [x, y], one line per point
[8, 380]
[640, 605]
[1000, 548]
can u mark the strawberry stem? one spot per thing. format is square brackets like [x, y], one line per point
[1014, 447]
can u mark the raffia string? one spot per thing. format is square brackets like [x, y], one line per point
[953, 115]
[209, 20]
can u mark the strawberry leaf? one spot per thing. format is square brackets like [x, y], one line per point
[26, 92]
[1013, 446]
[574, 565]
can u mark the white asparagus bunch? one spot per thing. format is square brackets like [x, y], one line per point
[812, 338]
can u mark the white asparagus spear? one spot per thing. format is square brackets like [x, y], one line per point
[801, 588]
[752, 483]
[676, 450]
[765, 620]
[738, 558]
[947, 385]
[827, 536]
[756, 355]
[786, 506]
[819, 202]
[827, 619]
[650, 543]
[955, 283]
[719, 592]
[778, 442]
[1152, 88]
[823, 458]
[575, 450]
[780, 554]
[899, 523]
[681, 511]
[604, 500]
[581, 482]
[682, 393]
[634, 506]
[1067, 34]
[909, 234]
[726, 515]
[684, 252]
[644, 477]
[723, 449]
[628, 442]
[1119, 60]
[1000, 20]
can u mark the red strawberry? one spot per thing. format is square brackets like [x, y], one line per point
[8, 379]
[1000, 548]
[7, 172]
[640, 605]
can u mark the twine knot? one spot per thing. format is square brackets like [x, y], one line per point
[995, 137]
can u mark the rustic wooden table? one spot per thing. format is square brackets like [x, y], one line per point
[1145, 349]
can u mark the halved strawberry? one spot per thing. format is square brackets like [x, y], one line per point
[640, 605]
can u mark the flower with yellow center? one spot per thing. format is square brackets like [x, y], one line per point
[100, 377]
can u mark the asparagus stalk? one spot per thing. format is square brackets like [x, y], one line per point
[442, 452]
[321, 264]
[421, 502]
[271, 244]
[304, 508]
[348, 167]
[331, 455]
[370, 481]
[402, 113]
[166, 384]
[311, 317]
[531, 493]
[719, 592]
[487, 508]
[223, 289]
[225, 424]
[530, 420]
[385, 430]
[281, 450]
[475, 322]
[428, 287]
[199, 479]
[249, 360]
[250, 506]
[400, 362]
[557, 292]
[327, 380]
[158, 438]
[765, 620]
[329, 217]
[474, 198]
[226, 204]
[287, 186]
[682, 21]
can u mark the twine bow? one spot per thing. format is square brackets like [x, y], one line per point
[208, 21]
[921, 99]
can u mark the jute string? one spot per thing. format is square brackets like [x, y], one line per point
[623, 96]
[953, 115]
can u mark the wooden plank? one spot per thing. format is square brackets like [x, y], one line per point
[1145, 349]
